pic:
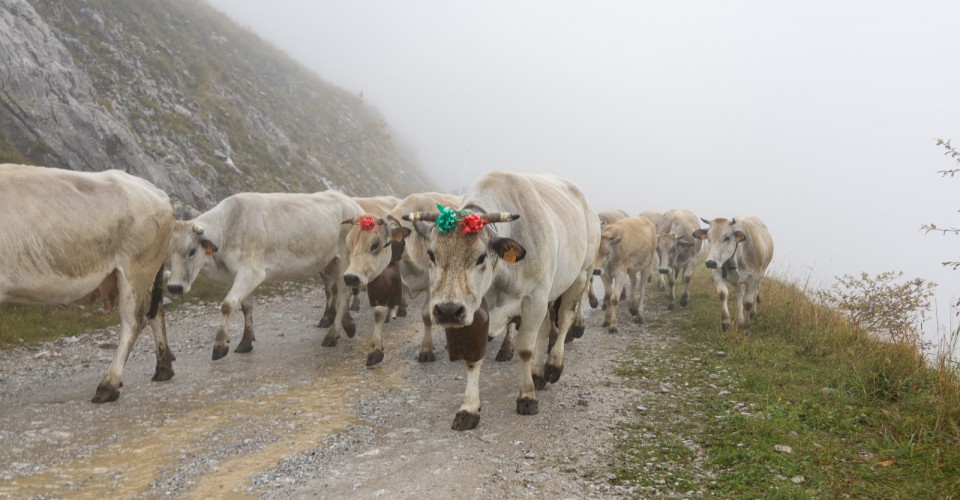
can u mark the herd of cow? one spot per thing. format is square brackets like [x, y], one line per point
[514, 256]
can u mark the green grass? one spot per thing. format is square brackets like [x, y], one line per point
[861, 418]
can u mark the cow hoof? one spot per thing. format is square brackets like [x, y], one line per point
[355, 307]
[662, 288]
[427, 357]
[613, 329]
[725, 327]
[220, 351]
[162, 374]
[566, 340]
[325, 323]
[670, 306]
[634, 311]
[350, 330]
[105, 394]
[375, 357]
[329, 341]
[552, 373]
[594, 302]
[605, 324]
[504, 355]
[402, 312]
[464, 421]
[638, 320]
[683, 301]
[539, 383]
[604, 308]
[576, 331]
[528, 406]
[244, 347]
[386, 320]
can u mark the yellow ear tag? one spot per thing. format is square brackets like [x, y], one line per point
[510, 256]
[208, 249]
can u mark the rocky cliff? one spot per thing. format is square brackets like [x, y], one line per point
[175, 92]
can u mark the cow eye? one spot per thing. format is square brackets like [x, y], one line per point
[375, 246]
[482, 258]
[193, 251]
[726, 239]
[432, 257]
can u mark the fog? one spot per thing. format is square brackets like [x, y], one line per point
[819, 117]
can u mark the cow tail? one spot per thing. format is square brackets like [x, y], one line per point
[156, 294]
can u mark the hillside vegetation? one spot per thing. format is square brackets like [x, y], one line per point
[176, 92]
[806, 405]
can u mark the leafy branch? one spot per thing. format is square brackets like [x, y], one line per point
[955, 156]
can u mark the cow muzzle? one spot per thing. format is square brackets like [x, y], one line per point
[449, 313]
[597, 272]
[664, 270]
[711, 264]
[351, 280]
[175, 289]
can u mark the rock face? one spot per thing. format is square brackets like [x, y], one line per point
[176, 93]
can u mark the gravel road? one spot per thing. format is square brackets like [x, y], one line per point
[294, 419]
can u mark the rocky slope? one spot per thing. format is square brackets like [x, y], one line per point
[175, 92]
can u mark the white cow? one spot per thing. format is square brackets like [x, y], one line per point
[678, 249]
[627, 248]
[474, 266]
[739, 251]
[655, 217]
[249, 238]
[64, 233]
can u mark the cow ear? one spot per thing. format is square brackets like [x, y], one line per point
[208, 247]
[740, 236]
[616, 240]
[400, 233]
[700, 233]
[684, 243]
[508, 249]
[422, 228]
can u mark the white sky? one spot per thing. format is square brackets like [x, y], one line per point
[818, 116]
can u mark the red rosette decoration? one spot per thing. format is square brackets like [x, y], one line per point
[471, 224]
[368, 224]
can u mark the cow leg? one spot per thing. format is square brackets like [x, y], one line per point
[158, 326]
[742, 322]
[661, 281]
[246, 343]
[108, 389]
[506, 347]
[579, 324]
[565, 318]
[468, 416]
[671, 281]
[531, 338]
[426, 344]
[330, 302]
[687, 274]
[645, 276]
[592, 297]
[722, 292]
[333, 334]
[607, 280]
[355, 300]
[376, 338]
[243, 285]
[631, 293]
[611, 317]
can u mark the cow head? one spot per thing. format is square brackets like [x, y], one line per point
[464, 256]
[609, 249]
[188, 252]
[673, 250]
[723, 238]
[373, 243]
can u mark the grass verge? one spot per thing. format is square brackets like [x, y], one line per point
[805, 406]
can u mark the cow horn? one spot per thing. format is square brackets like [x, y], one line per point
[705, 221]
[421, 216]
[500, 217]
[733, 221]
[198, 229]
[393, 220]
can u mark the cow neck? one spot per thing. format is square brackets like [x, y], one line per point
[723, 267]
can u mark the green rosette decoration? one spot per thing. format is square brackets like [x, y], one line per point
[447, 220]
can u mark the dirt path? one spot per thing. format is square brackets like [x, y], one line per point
[294, 419]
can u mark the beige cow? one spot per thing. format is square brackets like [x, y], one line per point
[627, 248]
[606, 217]
[63, 234]
[739, 251]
